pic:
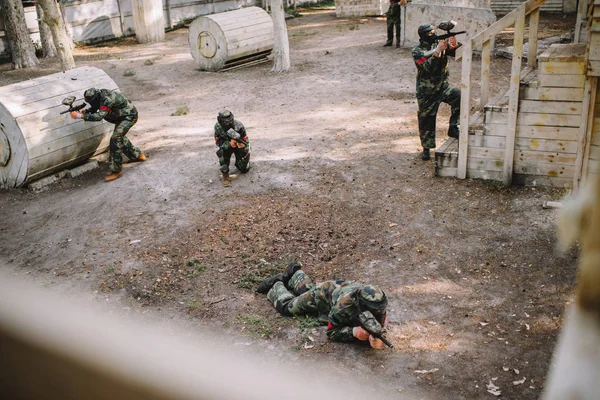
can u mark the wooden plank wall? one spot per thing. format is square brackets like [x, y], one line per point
[547, 125]
[593, 165]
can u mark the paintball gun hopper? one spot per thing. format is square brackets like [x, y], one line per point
[448, 26]
[68, 101]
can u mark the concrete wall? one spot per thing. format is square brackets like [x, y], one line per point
[470, 19]
[360, 8]
[96, 20]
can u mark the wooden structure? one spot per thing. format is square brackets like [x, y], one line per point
[35, 139]
[148, 20]
[542, 130]
[231, 38]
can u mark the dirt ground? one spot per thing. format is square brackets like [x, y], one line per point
[477, 287]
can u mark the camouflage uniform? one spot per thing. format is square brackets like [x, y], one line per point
[335, 303]
[242, 155]
[432, 89]
[117, 109]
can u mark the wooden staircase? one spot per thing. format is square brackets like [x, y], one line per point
[532, 134]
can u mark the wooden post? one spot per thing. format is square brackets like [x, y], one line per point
[534, 20]
[148, 20]
[586, 128]
[402, 25]
[581, 14]
[513, 95]
[465, 94]
[121, 17]
[486, 49]
[169, 19]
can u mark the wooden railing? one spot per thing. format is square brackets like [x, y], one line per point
[484, 39]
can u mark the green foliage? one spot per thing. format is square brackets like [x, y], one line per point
[262, 269]
[321, 4]
[255, 325]
[129, 72]
[195, 266]
[194, 304]
[181, 110]
[308, 322]
[148, 62]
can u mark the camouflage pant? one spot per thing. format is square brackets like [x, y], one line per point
[303, 296]
[119, 145]
[428, 108]
[391, 23]
[242, 158]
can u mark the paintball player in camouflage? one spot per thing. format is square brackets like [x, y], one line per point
[231, 138]
[336, 303]
[393, 20]
[431, 59]
[117, 109]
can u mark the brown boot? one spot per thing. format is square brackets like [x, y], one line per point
[142, 157]
[226, 181]
[113, 175]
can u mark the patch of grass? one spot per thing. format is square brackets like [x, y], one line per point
[129, 72]
[196, 266]
[308, 322]
[263, 269]
[354, 27]
[302, 34]
[255, 325]
[194, 304]
[149, 62]
[181, 110]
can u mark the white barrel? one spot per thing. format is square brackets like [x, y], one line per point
[35, 140]
[222, 40]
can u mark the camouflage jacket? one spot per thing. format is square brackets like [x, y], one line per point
[114, 107]
[432, 72]
[344, 311]
[221, 138]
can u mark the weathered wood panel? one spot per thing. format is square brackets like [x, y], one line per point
[220, 38]
[551, 94]
[37, 139]
[550, 107]
[566, 80]
[540, 132]
[522, 143]
[535, 119]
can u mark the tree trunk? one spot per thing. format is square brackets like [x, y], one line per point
[59, 34]
[48, 48]
[21, 46]
[148, 20]
[281, 47]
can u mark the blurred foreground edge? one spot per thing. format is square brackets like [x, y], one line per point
[51, 348]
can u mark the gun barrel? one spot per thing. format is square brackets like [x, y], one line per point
[386, 342]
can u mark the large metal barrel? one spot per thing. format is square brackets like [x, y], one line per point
[231, 38]
[35, 139]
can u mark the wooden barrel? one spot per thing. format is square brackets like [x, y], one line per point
[231, 38]
[35, 139]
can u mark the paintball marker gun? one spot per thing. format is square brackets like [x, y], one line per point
[371, 325]
[68, 101]
[447, 26]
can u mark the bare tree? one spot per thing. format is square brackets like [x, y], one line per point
[21, 46]
[62, 42]
[48, 48]
[281, 57]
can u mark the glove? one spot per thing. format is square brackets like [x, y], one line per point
[359, 333]
[375, 343]
[442, 45]
[76, 115]
[233, 144]
[241, 145]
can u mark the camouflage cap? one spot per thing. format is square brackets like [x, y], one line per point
[373, 298]
[225, 116]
